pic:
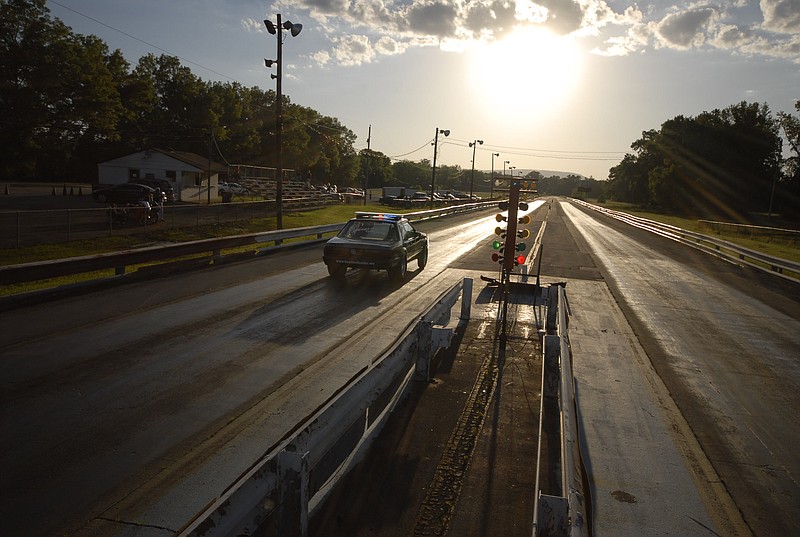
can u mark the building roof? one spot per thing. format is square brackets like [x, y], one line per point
[193, 159]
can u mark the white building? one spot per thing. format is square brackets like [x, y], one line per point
[187, 172]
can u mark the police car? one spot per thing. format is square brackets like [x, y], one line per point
[376, 241]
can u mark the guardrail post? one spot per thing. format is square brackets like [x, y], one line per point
[293, 494]
[552, 310]
[553, 516]
[424, 337]
[551, 371]
[466, 299]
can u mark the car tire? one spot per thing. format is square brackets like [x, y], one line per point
[422, 260]
[398, 272]
[336, 271]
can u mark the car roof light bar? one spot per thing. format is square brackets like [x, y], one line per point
[379, 216]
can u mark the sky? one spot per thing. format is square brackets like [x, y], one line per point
[549, 85]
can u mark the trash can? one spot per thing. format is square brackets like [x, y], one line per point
[227, 196]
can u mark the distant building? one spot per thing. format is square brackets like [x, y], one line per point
[187, 172]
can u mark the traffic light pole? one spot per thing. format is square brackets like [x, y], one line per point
[510, 248]
[509, 252]
[511, 231]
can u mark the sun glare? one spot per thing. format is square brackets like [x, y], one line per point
[531, 71]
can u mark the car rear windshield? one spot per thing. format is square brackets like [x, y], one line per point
[367, 230]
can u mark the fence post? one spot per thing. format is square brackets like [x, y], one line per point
[293, 494]
[466, 299]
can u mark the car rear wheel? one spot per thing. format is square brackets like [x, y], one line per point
[422, 260]
[398, 272]
[337, 271]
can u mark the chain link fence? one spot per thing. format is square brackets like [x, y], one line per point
[34, 227]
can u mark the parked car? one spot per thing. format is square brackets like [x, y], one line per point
[125, 193]
[376, 241]
[163, 184]
[233, 188]
[137, 214]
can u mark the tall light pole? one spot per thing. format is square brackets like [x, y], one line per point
[369, 157]
[504, 166]
[474, 146]
[446, 132]
[511, 170]
[491, 187]
[278, 31]
[775, 178]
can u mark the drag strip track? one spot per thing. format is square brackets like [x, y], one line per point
[131, 407]
[727, 347]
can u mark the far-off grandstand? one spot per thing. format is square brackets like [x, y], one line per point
[263, 181]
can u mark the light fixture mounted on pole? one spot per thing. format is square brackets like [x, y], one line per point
[474, 146]
[278, 31]
[446, 132]
[504, 166]
[491, 188]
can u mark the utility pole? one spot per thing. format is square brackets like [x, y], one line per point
[369, 158]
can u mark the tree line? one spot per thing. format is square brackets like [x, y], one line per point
[725, 163]
[70, 103]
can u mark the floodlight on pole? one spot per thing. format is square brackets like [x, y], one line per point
[277, 30]
[446, 132]
[474, 146]
[491, 187]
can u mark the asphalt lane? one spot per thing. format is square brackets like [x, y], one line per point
[117, 398]
[252, 305]
[725, 341]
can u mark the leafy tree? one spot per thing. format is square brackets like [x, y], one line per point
[181, 117]
[786, 197]
[410, 174]
[720, 163]
[375, 168]
[57, 91]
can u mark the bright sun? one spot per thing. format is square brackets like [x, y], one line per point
[531, 71]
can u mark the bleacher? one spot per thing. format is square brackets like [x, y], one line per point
[296, 194]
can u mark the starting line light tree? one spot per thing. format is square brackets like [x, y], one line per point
[509, 252]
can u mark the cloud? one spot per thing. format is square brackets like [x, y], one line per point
[686, 29]
[363, 31]
[353, 50]
[252, 25]
[781, 16]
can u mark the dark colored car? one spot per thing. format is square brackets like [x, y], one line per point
[163, 184]
[376, 241]
[125, 193]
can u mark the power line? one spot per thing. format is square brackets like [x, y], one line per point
[531, 152]
[142, 40]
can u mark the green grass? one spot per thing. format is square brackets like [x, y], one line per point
[784, 247]
[11, 256]
[330, 215]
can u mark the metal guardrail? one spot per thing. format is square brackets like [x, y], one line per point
[564, 515]
[40, 270]
[277, 495]
[711, 245]
[747, 230]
